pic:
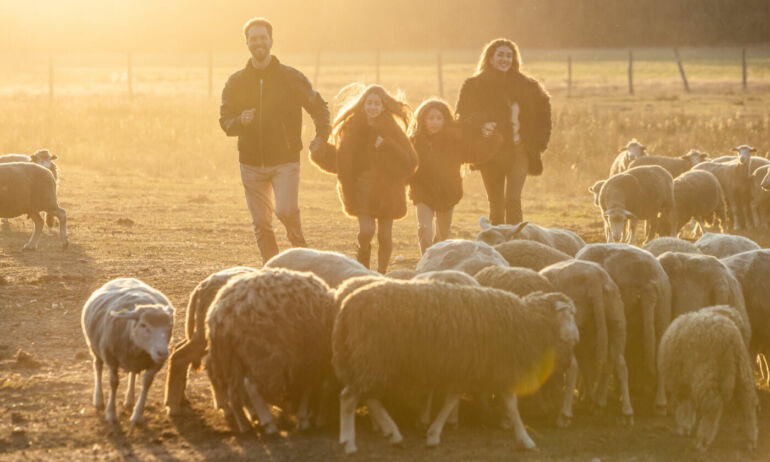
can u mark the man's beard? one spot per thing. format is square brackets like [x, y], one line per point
[260, 53]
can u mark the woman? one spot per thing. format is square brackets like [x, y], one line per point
[374, 162]
[520, 110]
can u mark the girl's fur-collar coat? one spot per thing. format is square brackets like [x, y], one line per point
[372, 181]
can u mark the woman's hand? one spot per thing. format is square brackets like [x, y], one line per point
[378, 141]
[488, 129]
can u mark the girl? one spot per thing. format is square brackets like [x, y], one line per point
[442, 147]
[521, 109]
[374, 162]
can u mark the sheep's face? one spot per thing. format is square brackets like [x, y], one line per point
[634, 150]
[616, 220]
[150, 329]
[744, 153]
[695, 157]
[595, 190]
[565, 315]
[43, 157]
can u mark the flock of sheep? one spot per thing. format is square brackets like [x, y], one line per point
[523, 312]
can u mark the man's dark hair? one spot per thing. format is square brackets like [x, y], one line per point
[258, 22]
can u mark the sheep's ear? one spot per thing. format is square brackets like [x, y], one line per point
[33, 157]
[54, 157]
[606, 214]
[484, 223]
[629, 214]
[520, 226]
[169, 310]
[642, 147]
[621, 149]
[734, 149]
[125, 314]
[561, 306]
[753, 150]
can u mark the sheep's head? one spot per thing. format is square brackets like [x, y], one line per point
[617, 219]
[490, 236]
[695, 157]
[44, 158]
[744, 153]
[564, 312]
[150, 328]
[594, 189]
[634, 150]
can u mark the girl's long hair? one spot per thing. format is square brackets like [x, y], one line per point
[418, 123]
[489, 51]
[352, 99]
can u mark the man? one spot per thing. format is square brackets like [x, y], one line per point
[262, 105]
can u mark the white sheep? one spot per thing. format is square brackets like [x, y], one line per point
[561, 239]
[735, 178]
[331, 267]
[452, 337]
[530, 254]
[640, 193]
[127, 324]
[601, 321]
[669, 244]
[724, 245]
[675, 165]
[646, 294]
[188, 353]
[627, 154]
[449, 276]
[595, 189]
[706, 368]
[42, 157]
[699, 196]
[28, 188]
[460, 255]
[760, 197]
[269, 341]
[518, 281]
[403, 273]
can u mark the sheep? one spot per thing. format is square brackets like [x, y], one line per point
[674, 165]
[530, 254]
[127, 324]
[460, 255]
[698, 195]
[269, 340]
[456, 338]
[560, 239]
[669, 244]
[41, 157]
[601, 322]
[28, 188]
[735, 178]
[706, 367]
[646, 294]
[331, 267]
[751, 269]
[518, 281]
[640, 193]
[724, 245]
[760, 197]
[189, 352]
[450, 276]
[628, 153]
[402, 274]
[698, 281]
[595, 189]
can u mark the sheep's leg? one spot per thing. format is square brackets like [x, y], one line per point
[348, 403]
[764, 370]
[736, 221]
[711, 413]
[62, 216]
[387, 424]
[98, 395]
[700, 226]
[632, 223]
[234, 410]
[565, 416]
[129, 399]
[434, 432]
[754, 208]
[32, 243]
[178, 368]
[266, 419]
[621, 371]
[137, 418]
[454, 416]
[303, 413]
[520, 432]
[660, 396]
[603, 388]
[652, 229]
[110, 413]
[5, 224]
[425, 416]
[685, 416]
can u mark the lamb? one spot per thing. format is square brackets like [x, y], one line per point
[460, 255]
[640, 193]
[698, 281]
[491, 341]
[331, 267]
[450, 277]
[646, 294]
[530, 254]
[628, 153]
[402, 274]
[518, 281]
[560, 239]
[28, 188]
[595, 189]
[735, 178]
[751, 269]
[698, 195]
[706, 367]
[674, 165]
[127, 324]
[724, 245]
[601, 322]
[269, 341]
[190, 351]
[669, 244]
[41, 157]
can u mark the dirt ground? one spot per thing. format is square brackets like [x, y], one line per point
[173, 233]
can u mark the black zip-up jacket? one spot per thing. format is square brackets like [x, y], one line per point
[278, 93]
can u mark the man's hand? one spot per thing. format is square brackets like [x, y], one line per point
[487, 129]
[247, 116]
[378, 142]
[316, 144]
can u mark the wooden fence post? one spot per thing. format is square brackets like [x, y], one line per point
[569, 75]
[130, 76]
[681, 70]
[440, 65]
[630, 71]
[211, 73]
[50, 78]
[745, 82]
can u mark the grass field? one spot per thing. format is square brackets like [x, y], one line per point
[152, 191]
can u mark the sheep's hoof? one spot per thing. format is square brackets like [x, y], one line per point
[433, 439]
[563, 421]
[752, 445]
[628, 420]
[526, 443]
[350, 447]
[173, 410]
[396, 439]
[660, 410]
[29, 247]
[110, 417]
[270, 429]
[137, 421]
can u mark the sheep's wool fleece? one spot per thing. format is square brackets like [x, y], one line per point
[332, 267]
[519, 281]
[460, 255]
